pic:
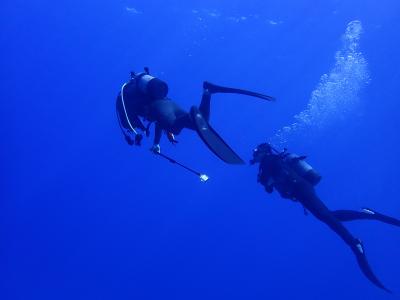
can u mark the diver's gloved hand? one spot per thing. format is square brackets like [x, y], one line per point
[129, 140]
[138, 139]
[269, 189]
[147, 130]
[171, 138]
[156, 149]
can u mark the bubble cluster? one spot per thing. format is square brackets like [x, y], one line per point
[337, 93]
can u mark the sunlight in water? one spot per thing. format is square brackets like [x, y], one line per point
[337, 92]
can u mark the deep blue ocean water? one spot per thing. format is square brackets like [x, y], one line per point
[85, 216]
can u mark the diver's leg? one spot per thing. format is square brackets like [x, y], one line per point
[163, 112]
[365, 214]
[314, 205]
[171, 117]
[351, 215]
[205, 104]
[320, 211]
[183, 121]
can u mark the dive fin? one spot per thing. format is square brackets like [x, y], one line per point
[359, 251]
[380, 217]
[212, 140]
[213, 88]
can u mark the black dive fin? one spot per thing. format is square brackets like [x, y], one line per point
[212, 140]
[213, 88]
[365, 267]
[380, 217]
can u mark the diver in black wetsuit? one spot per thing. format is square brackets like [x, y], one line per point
[295, 179]
[144, 97]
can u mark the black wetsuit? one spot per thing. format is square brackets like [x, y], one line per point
[274, 173]
[165, 113]
[169, 117]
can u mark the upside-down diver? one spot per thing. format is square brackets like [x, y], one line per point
[295, 179]
[144, 97]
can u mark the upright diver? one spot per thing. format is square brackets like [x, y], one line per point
[295, 179]
[144, 97]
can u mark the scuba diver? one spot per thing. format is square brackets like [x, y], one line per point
[144, 98]
[295, 179]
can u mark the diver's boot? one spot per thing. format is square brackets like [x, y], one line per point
[380, 217]
[359, 251]
[213, 88]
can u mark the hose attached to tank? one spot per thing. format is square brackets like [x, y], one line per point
[126, 114]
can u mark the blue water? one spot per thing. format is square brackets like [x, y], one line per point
[85, 216]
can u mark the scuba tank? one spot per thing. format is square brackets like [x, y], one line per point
[150, 85]
[302, 168]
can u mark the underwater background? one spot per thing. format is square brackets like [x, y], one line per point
[85, 216]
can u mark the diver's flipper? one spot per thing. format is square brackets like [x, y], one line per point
[213, 141]
[212, 88]
[380, 217]
[359, 251]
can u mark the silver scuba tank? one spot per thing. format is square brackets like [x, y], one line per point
[152, 86]
[302, 168]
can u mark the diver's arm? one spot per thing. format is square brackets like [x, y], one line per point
[266, 180]
[139, 124]
[157, 138]
[157, 135]
[263, 176]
